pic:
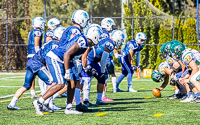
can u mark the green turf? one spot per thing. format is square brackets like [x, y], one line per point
[128, 108]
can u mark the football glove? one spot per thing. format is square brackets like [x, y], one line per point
[87, 69]
[134, 67]
[94, 72]
[67, 75]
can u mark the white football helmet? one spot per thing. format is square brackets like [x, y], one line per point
[140, 38]
[53, 23]
[91, 25]
[38, 22]
[57, 34]
[108, 24]
[80, 17]
[118, 37]
[94, 34]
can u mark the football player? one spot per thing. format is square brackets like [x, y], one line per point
[107, 25]
[132, 48]
[52, 24]
[190, 59]
[60, 63]
[94, 65]
[164, 71]
[115, 36]
[35, 43]
[35, 66]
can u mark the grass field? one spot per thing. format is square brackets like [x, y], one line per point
[128, 108]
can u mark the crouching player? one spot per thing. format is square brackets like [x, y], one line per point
[164, 72]
[191, 60]
[60, 63]
[35, 66]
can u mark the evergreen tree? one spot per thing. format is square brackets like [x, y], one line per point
[190, 33]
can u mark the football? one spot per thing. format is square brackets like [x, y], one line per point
[156, 92]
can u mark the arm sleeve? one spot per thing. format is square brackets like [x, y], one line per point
[138, 58]
[104, 61]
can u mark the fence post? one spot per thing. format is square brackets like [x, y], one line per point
[198, 22]
[173, 19]
[7, 35]
[91, 11]
[132, 22]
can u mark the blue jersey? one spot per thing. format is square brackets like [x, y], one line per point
[31, 42]
[132, 45]
[80, 39]
[38, 60]
[48, 33]
[68, 32]
[105, 34]
[108, 43]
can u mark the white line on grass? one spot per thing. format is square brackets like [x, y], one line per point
[12, 86]
[14, 94]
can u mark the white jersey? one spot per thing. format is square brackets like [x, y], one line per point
[189, 55]
[162, 66]
[170, 61]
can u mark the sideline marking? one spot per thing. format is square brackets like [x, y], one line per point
[158, 115]
[100, 114]
[142, 88]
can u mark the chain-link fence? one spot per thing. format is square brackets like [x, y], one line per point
[158, 26]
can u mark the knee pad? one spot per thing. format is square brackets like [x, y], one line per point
[172, 82]
[191, 85]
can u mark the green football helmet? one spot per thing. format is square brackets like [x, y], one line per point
[165, 50]
[177, 49]
[156, 76]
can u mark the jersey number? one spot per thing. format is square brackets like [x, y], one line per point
[188, 58]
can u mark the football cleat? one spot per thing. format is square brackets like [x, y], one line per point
[188, 99]
[172, 97]
[38, 107]
[34, 96]
[46, 108]
[70, 111]
[194, 100]
[88, 104]
[10, 107]
[184, 97]
[82, 108]
[119, 90]
[130, 89]
[54, 107]
[106, 99]
[100, 102]
[197, 99]
[64, 94]
[74, 100]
